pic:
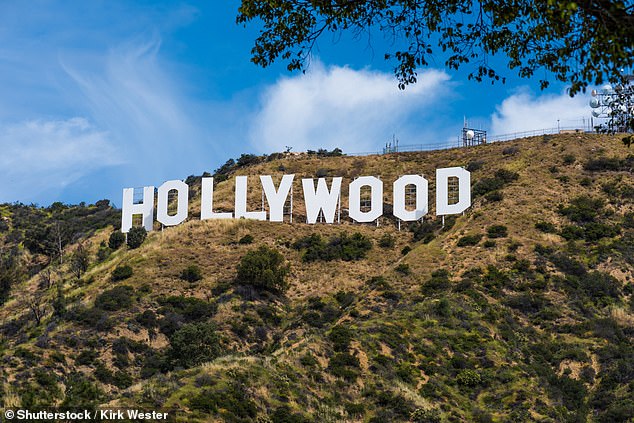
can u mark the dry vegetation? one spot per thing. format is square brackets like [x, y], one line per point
[514, 330]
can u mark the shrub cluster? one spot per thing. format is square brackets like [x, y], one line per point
[582, 209]
[497, 231]
[195, 343]
[546, 227]
[438, 282]
[263, 269]
[117, 298]
[136, 236]
[121, 272]
[342, 247]
[191, 273]
[501, 178]
[469, 240]
[116, 240]
[609, 163]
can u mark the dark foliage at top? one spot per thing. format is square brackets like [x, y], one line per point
[325, 153]
[49, 230]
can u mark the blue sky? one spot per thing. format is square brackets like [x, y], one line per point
[99, 96]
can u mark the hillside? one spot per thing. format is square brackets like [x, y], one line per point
[520, 309]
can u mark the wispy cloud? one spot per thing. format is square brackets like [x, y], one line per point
[38, 156]
[328, 107]
[143, 107]
[524, 111]
[88, 89]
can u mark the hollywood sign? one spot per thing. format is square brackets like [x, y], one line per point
[318, 200]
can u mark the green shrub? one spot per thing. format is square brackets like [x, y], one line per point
[424, 231]
[344, 365]
[103, 252]
[546, 227]
[425, 415]
[438, 282]
[501, 178]
[190, 308]
[136, 236]
[469, 378]
[582, 209]
[121, 272]
[147, 319]
[497, 231]
[117, 298]
[116, 240]
[386, 241]
[489, 243]
[344, 298]
[234, 401]
[247, 239]
[342, 247]
[91, 317]
[341, 336]
[378, 282]
[195, 343]
[284, 414]
[569, 159]
[308, 360]
[248, 159]
[469, 240]
[191, 273]
[103, 374]
[81, 393]
[609, 164]
[494, 196]
[585, 182]
[595, 231]
[403, 268]
[570, 232]
[591, 232]
[263, 269]
[406, 250]
[474, 165]
[86, 357]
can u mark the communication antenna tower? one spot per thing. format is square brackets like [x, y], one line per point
[472, 136]
[614, 102]
[391, 146]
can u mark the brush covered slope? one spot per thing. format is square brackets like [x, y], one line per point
[519, 310]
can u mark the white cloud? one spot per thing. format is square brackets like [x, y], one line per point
[526, 112]
[40, 156]
[356, 110]
[130, 94]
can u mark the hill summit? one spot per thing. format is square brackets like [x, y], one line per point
[520, 309]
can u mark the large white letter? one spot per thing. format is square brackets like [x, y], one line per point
[354, 199]
[322, 199]
[146, 208]
[276, 199]
[442, 190]
[241, 201]
[422, 186]
[182, 201]
[207, 202]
